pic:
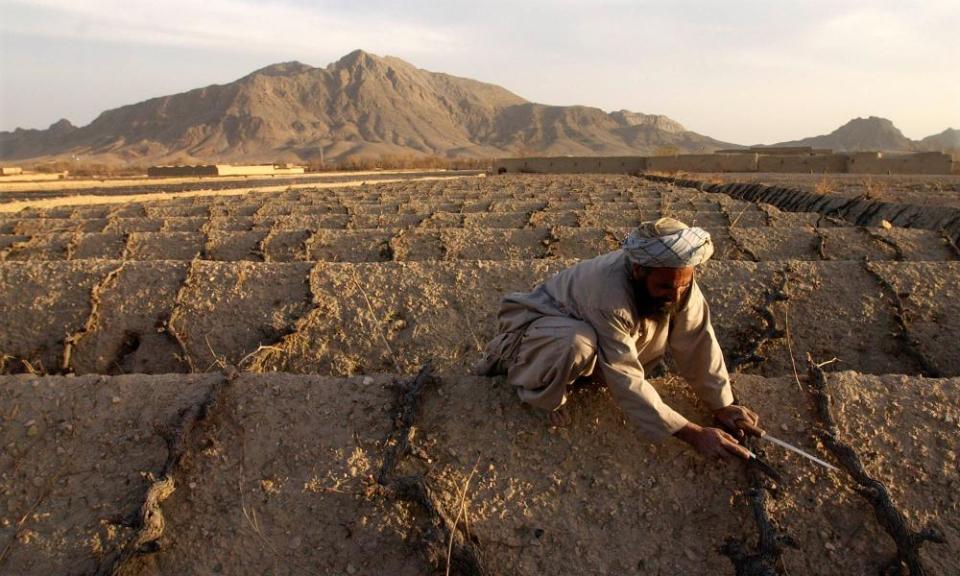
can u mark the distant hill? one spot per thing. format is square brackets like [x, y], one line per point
[360, 106]
[877, 134]
[949, 139]
[871, 133]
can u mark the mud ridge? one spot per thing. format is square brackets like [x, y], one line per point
[92, 319]
[437, 531]
[859, 210]
[907, 540]
[908, 343]
[181, 440]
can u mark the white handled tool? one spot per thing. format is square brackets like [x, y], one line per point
[793, 448]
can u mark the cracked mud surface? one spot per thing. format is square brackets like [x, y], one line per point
[325, 297]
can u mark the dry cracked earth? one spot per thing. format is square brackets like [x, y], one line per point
[229, 385]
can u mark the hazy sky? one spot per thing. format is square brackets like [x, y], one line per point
[745, 72]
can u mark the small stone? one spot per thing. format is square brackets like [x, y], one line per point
[33, 431]
[886, 225]
[367, 380]
[351, 569]
[192, 485]
[115, 399]
[830, 546]
[784, 427]
[295, 542]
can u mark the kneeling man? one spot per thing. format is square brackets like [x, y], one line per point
[613, 317]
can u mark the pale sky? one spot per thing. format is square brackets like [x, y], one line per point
[741, 71]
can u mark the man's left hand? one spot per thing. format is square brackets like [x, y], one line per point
[739, 420]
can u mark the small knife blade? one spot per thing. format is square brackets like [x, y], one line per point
[793, 448]
[765, 468]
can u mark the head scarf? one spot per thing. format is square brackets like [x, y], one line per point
[667, 243]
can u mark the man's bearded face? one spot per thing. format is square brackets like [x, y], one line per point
[659, 291]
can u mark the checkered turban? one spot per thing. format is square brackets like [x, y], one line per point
[667, 243]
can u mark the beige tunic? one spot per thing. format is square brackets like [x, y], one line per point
[599, 293]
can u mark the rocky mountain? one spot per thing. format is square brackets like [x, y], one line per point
[949, 139]
[871, 133]
[877, 134]
[360, 106]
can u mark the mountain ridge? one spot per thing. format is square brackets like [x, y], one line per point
[876, 134]
[360, 105]
[363, 105]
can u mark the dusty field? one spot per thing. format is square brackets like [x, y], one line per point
[23, 190]
[118, 319]
[45, 200]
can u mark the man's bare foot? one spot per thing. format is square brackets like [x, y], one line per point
[560, 418]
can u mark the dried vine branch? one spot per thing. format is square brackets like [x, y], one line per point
[96, 294]
[890, 518]
[181, 441]
[765, 558]
[751, 353]
[908, 343]
[950, 242]
[898, 251]
[438, 529]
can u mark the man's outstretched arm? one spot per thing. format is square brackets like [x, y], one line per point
[700, 362]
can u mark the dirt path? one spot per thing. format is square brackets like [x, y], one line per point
[83, 200]
[54, 186]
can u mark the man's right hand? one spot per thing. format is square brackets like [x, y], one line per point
[712, 442]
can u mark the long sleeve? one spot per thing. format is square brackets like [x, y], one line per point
[619, 363]
[697, 353]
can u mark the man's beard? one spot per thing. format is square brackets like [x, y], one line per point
[648, 306]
